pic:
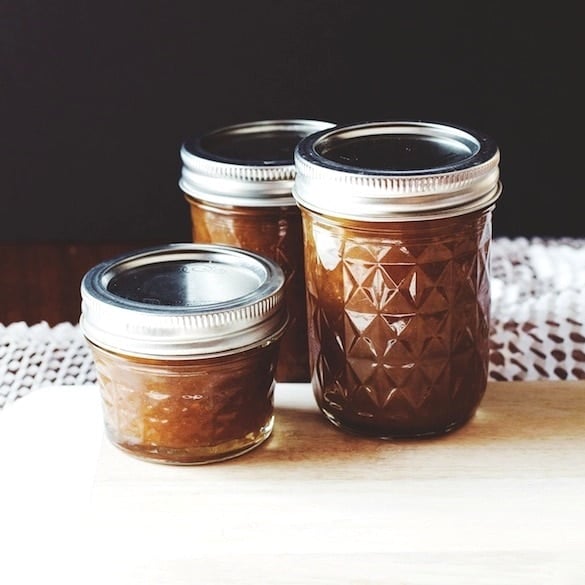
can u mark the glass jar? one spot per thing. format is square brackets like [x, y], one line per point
[237, 181]
[185, 342]
[397, 220]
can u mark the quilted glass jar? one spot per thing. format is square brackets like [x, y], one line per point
[237, 181]
[397, 221]
[185, 342]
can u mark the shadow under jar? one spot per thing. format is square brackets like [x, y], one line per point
[237, 181]
[397, 219]
[185, 342]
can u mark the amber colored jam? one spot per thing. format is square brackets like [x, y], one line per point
[274, 232]
[188, 411]
[398, 321]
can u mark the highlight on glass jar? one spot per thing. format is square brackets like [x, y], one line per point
[185, 341]
[397, 219]
[238, 181]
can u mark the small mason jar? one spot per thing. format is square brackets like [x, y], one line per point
[397, 219]
[237, 181]
[185, 342]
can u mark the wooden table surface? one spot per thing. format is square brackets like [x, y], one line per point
[40, 281]
[499, 501]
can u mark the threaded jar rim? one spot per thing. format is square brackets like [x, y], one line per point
[250, 164]
[181, 301]
[396, 170]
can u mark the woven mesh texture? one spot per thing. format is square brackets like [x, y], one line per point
[39, 355]
[538, 310]
[538, 325]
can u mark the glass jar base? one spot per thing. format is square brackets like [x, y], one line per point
[394, 435]
[196, 455]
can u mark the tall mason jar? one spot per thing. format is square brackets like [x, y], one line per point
[397, 219]
[238, 181]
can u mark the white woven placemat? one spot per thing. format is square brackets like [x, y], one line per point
[538, 324]
[35, 356]
[538, 309]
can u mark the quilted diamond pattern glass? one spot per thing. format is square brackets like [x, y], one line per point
[398, 321]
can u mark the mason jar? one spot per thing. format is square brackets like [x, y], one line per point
[397, 219]
[237, 181]
[185, 342]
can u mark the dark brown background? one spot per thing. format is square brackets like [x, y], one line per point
[96, 98]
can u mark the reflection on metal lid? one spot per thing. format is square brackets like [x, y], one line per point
[182, 300]
[248, 164]
[396, 170]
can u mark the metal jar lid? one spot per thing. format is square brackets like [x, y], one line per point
[183, 300]
[396, 170]
[249, 164]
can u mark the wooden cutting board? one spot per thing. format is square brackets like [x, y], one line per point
[501, 500]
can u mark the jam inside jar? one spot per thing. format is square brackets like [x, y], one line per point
[188, 411]
[276, 233]
[185, 339]
[399, 322]
[237, 181]
[397, 221]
